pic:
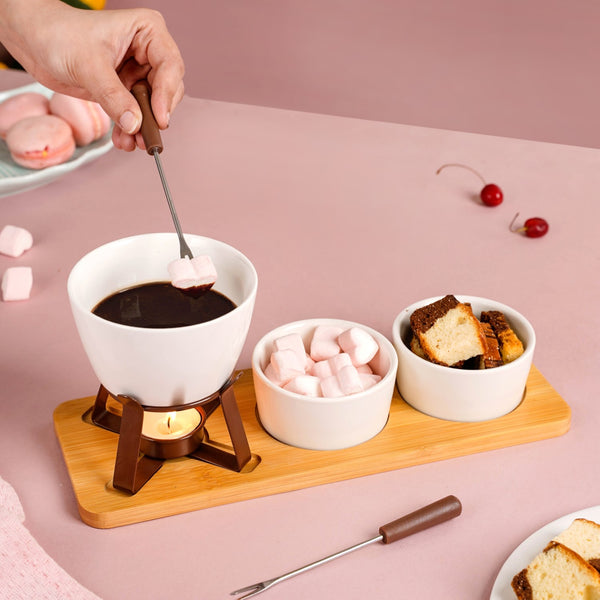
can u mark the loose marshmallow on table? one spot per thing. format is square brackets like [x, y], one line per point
[17, 283]
[324, 342]
[15, 240]
[198, 271]
[359, 344]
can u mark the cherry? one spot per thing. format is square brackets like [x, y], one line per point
[491, 194]
[534, 227]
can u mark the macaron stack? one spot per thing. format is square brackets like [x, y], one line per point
[42, 132]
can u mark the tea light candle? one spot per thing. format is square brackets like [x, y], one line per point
[171, 425]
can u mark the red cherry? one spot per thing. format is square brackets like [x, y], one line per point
[534, 227]
[491, 194]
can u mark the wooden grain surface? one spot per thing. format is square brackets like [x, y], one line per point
[182, 485]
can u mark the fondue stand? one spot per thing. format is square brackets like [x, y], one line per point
[161, 433]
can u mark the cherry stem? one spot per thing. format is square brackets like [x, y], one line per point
[518, 229]
[463, 167]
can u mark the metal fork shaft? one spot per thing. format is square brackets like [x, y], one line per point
[184, 249]
[271, 582]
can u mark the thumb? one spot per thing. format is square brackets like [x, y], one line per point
[116, 100]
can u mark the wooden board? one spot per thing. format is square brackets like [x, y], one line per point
[182, 485]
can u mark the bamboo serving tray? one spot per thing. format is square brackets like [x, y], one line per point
[184, 484]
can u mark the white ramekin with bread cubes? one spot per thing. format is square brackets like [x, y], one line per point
[462, 358]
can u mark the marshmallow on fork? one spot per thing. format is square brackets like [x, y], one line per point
[193, 273]
[17, 283]
[15, 240]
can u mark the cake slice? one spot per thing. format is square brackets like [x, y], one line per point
[510, 345]
[447, 331]
[491, 357]
[557, 573]
[416, 347]
[583, 537]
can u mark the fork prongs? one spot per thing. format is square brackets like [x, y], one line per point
[252, 590]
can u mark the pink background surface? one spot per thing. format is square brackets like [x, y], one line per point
[346, 218]
[518, 69]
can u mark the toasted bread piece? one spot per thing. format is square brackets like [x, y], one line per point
[491, 357]
[447, 331]
[557, 573]
[510, 345]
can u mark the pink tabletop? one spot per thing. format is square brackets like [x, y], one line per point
[342, 218]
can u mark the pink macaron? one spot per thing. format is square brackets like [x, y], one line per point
[21, 106]
[39, 142]
[87, 119]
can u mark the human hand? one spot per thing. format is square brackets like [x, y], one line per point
[99, 55]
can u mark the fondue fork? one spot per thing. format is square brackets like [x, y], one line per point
[154, 146]
[433, 514]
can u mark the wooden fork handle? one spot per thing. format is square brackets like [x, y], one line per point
[433, 514]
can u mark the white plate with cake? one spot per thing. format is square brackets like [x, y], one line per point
[530, 548]
[15, 178]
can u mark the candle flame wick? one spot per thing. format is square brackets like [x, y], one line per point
[170, 421]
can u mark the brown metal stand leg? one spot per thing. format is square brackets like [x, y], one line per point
[216, 456]
[131, 470]
[101, 416]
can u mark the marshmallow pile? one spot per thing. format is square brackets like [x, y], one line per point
[336, 363]
[16, 281]
[195, 272]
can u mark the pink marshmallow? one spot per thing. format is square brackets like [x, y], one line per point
[345, 382]
[286, 365]
[339, 361]
[360, 345]
[272, 375]
[310, 364]
[364, 369]
[331, 366]
[17, 283]
[368, 380]
[330, 387]
[307, 385]
[349, 380]
[322, 369]
[324, 343]
[198, 271]
[15, 240]
[292, 341]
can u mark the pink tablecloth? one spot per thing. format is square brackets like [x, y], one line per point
[343, 218]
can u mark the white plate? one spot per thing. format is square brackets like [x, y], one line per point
[14, 179]
[531, 547]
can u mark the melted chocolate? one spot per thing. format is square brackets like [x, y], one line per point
[159, 305]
